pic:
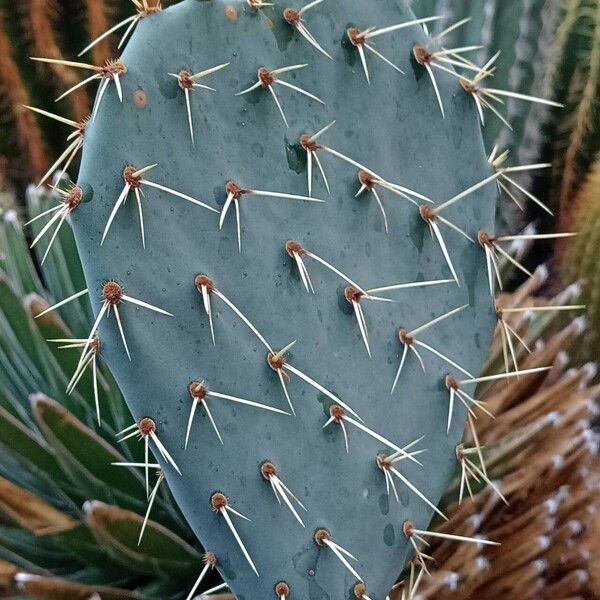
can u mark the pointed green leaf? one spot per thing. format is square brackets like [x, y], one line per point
[16, 260]
[23, 441]
[159, 551]
[78, 541]
[60, 363]
[18, 469]
[15, 323]
[86, 458]
[31, 548]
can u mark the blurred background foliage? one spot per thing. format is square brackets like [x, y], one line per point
[54, 29]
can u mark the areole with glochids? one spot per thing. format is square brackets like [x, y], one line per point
[224, 318]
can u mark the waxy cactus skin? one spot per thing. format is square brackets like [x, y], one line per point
[394, 128]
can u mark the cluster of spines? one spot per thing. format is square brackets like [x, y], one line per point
[543, 453]
[340, 413]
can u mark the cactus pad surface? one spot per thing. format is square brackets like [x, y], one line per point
[261, 298]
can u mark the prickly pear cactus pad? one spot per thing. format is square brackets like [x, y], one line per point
[293, 463]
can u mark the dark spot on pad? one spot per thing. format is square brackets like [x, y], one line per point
[88, 192]
[384, 504]
[167, 85]
[350, 52]
[258, 150]
[389, 535]
[296, 157]
[283, 33]
[417, 229]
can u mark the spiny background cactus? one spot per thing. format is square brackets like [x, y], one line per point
[571, 140]
[579, 261]
[576, 179]
[242, 145]
[557, 55]
[549, 48]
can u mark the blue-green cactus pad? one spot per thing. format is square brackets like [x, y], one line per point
[392, 126]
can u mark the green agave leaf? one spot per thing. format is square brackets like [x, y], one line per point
[79, 541]
[63, 274]
[27, 361]
[25, 474]
[9, 401]
[13, 389]
[63, 362]
[114, 412]
[86, 458]
[29, 445]
[109, 574]
[18, 338]
[15, 257]
[31, 548]
[160, 551]
[126, 484]
[80, 402]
